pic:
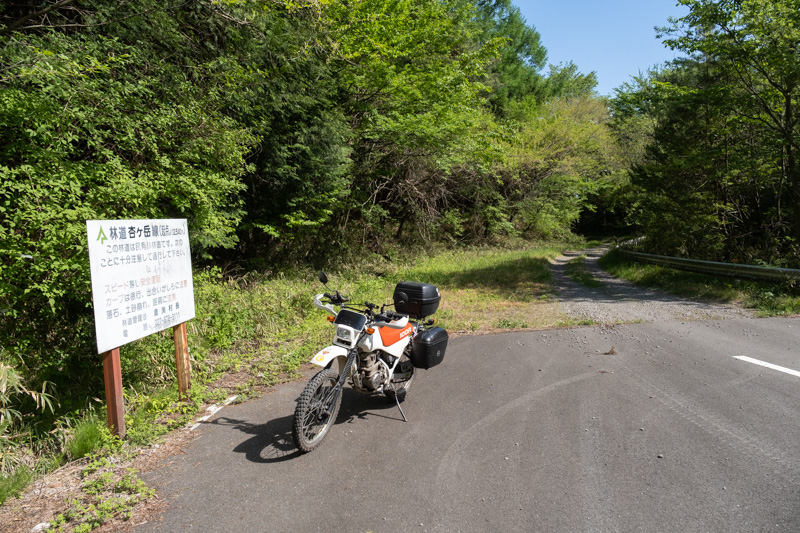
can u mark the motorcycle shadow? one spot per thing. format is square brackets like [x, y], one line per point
[272, 442]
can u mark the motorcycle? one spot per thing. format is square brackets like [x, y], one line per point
[378, 350]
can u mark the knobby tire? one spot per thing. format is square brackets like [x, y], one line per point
[311, 424]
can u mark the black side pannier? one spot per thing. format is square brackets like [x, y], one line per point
[428, 347]
[416, 299]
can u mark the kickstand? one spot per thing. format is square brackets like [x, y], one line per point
[401, 409]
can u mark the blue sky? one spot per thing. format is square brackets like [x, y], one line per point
[614, 38]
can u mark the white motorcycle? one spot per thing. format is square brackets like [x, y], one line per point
[378, 351]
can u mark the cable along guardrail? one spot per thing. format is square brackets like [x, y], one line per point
[733, 270]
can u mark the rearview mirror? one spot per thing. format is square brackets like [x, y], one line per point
[323, 278]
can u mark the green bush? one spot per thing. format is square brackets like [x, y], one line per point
[88, 436]
[13, 483]
[90, 131]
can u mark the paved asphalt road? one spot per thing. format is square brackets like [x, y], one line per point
[533, 431]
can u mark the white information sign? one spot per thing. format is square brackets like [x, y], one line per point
[141, 278]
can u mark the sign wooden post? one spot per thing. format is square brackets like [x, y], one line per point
[182, 358]
[112, 372]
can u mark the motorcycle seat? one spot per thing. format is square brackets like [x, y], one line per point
[395, 324]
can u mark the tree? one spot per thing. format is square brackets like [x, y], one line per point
[709, 181]
[91, 131]
[758, 43]
[566, 81]
[516, 72]
[407, 73]
[560, 153]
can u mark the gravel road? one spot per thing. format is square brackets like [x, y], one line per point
[621, 301]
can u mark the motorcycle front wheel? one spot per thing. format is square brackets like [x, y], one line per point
[313, 417]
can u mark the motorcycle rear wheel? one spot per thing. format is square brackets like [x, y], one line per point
[312, 419]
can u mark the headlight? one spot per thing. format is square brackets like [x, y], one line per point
[344, 334]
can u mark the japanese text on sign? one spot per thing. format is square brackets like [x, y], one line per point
[141, 278]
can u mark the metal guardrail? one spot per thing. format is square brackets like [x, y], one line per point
[711, 267]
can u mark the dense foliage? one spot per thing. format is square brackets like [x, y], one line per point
[718, 176]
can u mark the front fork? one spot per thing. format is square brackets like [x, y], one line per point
[333, 396]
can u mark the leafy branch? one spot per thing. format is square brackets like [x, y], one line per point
[42, 12]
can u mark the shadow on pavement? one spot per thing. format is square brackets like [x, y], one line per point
[272, 442]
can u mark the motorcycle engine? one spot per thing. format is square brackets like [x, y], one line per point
[371, 373]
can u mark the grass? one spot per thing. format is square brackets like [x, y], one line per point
[107, 493]
[88, 436]
[491, 289]
[12, 483]
[767, 299]
[253, 331]
[576, 269]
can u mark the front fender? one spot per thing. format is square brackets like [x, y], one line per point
[326, 355]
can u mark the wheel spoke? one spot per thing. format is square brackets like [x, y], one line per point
[315, 420]
[316, 410]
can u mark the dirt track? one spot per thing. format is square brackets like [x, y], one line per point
[621, 301]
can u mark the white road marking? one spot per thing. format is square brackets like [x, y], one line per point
[212, 410]
[768, 365]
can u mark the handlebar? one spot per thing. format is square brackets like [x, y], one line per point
[390, 315]
[336, 299]
[385, 314]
